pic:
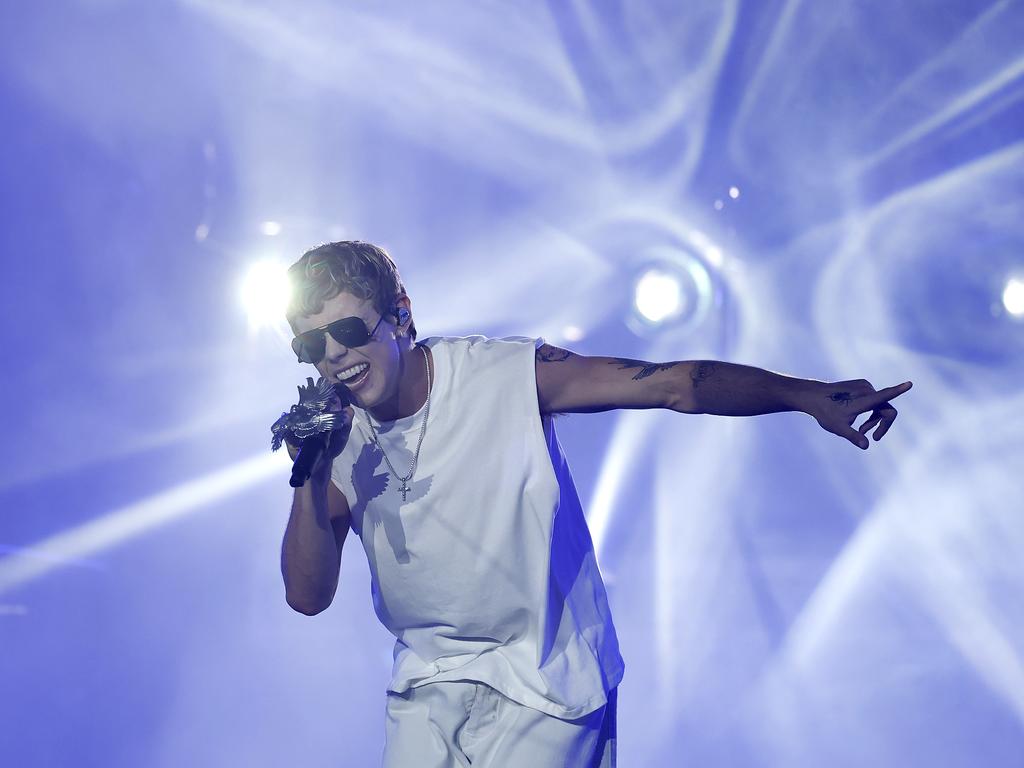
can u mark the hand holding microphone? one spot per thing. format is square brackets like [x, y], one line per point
[315, 430]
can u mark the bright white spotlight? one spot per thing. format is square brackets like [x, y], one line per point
[657, 295]
[264, 292]
[271, 228]
[734, 192]
[572, 333]
[1013, 297]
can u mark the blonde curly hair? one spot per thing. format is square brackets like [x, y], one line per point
[362, 269]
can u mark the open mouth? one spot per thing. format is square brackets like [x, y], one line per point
[357, 379]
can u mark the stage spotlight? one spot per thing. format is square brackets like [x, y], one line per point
[672, 287]
[1013, 297]
[264, 293]
[573, 333]
[657, 295]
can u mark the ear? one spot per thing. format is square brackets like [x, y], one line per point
[403, 312]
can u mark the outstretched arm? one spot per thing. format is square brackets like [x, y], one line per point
[571, 383]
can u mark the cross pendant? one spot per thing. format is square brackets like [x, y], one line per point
[404, 489]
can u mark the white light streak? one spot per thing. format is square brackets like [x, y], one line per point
[122, 524]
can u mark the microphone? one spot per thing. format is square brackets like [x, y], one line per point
[309, 425]
[310, 451]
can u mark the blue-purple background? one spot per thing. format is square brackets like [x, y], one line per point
[782, 598]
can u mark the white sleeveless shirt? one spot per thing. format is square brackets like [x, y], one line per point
[486, 572]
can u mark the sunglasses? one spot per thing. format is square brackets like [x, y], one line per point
[311, 346]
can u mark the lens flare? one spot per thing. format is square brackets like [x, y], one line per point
[1013, 297]
[264, 293]
[657, 295]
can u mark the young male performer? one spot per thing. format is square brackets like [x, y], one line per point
[448, 468]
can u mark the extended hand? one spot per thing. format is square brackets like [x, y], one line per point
[836, 406]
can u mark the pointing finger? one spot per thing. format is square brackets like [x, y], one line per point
[882, 396]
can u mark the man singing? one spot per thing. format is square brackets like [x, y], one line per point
[448, 468]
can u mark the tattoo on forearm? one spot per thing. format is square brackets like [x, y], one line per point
[702, 372]
[841, 397]
[646, 369]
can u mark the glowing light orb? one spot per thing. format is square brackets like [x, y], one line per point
[657, 295]
[572, 333]
[1013, 297]
[264, 292]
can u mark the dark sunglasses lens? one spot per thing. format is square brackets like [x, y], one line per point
[311, 346]
[351, 332]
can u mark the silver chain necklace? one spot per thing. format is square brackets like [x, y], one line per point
[405, 480]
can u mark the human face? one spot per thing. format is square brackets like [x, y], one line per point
[379, 352]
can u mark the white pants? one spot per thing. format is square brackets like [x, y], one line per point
[459, 723]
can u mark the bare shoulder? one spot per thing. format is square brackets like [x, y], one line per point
[549, 353]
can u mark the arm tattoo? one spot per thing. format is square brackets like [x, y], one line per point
[705, 370]
[841, 397]
[646, 369]
[549, 354]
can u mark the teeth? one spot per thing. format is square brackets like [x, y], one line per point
[353, 371]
